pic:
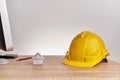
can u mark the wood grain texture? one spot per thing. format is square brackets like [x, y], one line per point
[53, 69]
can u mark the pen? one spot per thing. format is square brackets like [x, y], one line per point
[23, 58]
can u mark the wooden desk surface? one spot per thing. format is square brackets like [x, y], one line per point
[53, 69]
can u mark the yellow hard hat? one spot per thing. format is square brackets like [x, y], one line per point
[86, 50]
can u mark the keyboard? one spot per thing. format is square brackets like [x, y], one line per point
[8, 55]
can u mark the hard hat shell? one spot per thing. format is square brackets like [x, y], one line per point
[86, 50]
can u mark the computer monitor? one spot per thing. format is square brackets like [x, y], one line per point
[6, 43]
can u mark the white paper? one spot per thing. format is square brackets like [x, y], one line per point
[4, 61]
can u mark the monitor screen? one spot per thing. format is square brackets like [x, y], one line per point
[2, 40]
[5, 33]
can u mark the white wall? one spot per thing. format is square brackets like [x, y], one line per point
[49, 26]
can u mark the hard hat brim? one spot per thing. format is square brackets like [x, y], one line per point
[80, 64]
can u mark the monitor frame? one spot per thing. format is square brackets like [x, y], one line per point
[8, 44]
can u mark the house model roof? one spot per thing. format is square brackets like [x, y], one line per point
[38, 56]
